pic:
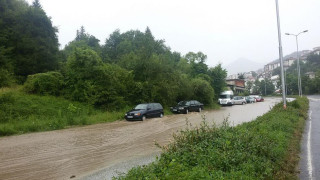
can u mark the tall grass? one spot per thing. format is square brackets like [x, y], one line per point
[266, 148]
[21, 113]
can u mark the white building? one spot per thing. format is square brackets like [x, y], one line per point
[311, 75]
[316, 50]
[288, 62]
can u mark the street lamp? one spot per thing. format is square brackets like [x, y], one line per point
[298, 60]
[281, 58]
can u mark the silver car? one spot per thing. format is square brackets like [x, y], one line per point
[250, 99]
[239, 100]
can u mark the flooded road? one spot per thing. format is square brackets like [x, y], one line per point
[82, 151]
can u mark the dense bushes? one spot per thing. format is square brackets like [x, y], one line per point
[50, 83]
[202, 91]
[23, 113]
[256, 150]
[129, 68]
[136, 68]
[6, 78]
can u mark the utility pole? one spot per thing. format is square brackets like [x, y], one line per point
[281, 58]
[298, 61]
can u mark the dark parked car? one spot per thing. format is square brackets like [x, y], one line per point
[143, 111]
[187, 106]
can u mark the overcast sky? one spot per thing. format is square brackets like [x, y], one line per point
[224, 30]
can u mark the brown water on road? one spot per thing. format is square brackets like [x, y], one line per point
[82, 150]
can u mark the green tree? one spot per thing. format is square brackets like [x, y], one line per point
[266, 87]
[197, 62]
[89, 80]
[218, 79]
[249, 86]
[36, 4]
[256, 87]
[241, 76]
[276, 71]
[83, 40]
[6, 68]
[30, 36]
[202, 91]
[292, 83]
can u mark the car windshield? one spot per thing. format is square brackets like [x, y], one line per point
[182, 103]
[224, 96]
[141, 106]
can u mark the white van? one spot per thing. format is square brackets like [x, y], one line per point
[226, 98]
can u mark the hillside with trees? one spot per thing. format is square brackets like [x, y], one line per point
[130, 67]
[309, 85]
[28, 41]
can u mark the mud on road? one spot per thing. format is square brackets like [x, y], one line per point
[81, 151]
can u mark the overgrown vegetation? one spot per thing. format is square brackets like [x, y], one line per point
[129, 68]
[266, 148]
[86, 81]
[23, 113]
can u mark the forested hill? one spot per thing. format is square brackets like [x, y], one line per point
[28, 41]
[129, 68]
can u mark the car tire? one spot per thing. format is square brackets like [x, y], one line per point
[161, 115]
[143, 118]
[187, 111]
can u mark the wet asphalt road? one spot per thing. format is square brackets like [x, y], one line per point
[101, 151]
[309, 165]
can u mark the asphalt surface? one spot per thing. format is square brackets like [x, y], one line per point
[309, 165]
[101, 151]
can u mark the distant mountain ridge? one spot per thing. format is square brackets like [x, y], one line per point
[243, 65]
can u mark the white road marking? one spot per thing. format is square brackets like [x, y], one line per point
[309, 148]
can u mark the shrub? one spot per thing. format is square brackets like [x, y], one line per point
[91, 81]
[202, 91]
[6, 78]
[22, 113]
[49, 83]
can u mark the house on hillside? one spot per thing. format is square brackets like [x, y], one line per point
[271, 66]
[311, 75]
[288, 62]
[237, 85]
[316, 50]
[233, 76]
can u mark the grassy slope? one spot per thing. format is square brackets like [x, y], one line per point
[22, 113]
[266, 148]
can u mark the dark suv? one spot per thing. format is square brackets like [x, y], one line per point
[187, 106]
[143, 111]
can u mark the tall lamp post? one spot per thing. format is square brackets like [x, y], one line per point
[281, 58]
[298, 61]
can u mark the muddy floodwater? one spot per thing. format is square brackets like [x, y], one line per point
[81, 151]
